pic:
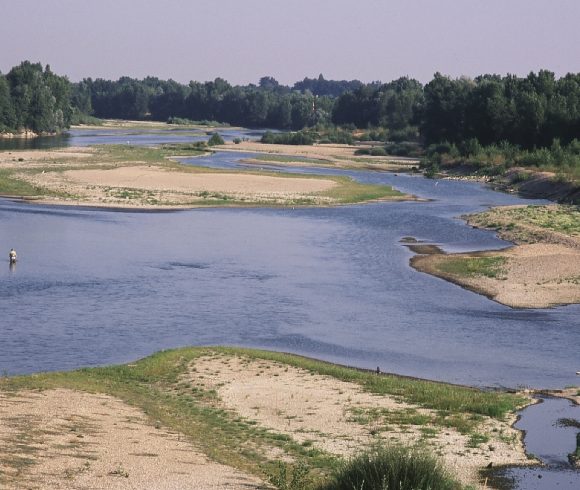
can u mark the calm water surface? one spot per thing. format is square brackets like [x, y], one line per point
[551, 442]
[95, 287]
[122, 136]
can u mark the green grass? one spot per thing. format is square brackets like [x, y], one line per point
[473, 266]
[392, 468]
[475, 440]
[559, 218]
[381, 419]
[12, 186]
[349, 191]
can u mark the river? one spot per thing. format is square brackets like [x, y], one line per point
[96, 287]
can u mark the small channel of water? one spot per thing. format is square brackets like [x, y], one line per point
[549, 439]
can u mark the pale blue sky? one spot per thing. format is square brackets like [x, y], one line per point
[242, 40]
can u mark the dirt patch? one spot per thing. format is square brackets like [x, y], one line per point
[337, 416]
[67, 439]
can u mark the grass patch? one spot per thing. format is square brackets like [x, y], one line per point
[390, 468]
[349, 191]
[13, 186]
[473, 266]
[476, 439]
[563, 219]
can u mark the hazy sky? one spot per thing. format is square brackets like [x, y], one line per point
[243, 40]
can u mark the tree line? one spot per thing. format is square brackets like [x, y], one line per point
[34, 98]
[527, 111]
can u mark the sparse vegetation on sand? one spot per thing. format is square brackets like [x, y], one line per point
[137, 176]
[182, 391]
[530, 224]
[542, 270]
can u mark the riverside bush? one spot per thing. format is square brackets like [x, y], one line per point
[392, 468]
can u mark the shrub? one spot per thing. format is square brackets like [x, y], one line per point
[290, 477]
[296, 138]
[215, 139]
[378, 151]
[392, 468]
[362, 151]
[179, 120]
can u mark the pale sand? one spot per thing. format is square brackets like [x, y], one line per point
[542, 271]
[42, 158]
[158, 187]
[333, 153]
[534, 276]
[158, 179]
[322, 410]
[137, 185]
[66, 439]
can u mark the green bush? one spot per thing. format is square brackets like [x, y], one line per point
[296, 138]
[179, 120]
[378, 151]
[392, 468]
[215, 139]
[363, 151]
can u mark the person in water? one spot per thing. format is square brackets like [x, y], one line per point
[12, 255]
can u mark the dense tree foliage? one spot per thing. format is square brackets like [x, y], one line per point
[530, 112]
[268, 105]
[333, 88]
[34, 98]
[395, 105]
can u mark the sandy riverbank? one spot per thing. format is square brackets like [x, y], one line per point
[333, 155]
[144, 178]
[70, 439]
[541, 271]
[63, 438]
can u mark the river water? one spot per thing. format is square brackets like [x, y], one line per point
[96, 287]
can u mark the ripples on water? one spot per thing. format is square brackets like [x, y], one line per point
[95, 287]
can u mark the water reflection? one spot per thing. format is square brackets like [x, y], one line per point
[40, 143]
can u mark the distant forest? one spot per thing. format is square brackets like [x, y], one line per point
[527, 111]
